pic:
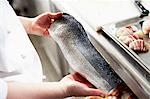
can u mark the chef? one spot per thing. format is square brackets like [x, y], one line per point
[20, 66]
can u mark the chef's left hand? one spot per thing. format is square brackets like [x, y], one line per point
[76, 85]
[41, 23]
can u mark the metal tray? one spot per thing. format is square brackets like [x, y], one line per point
[142, 58]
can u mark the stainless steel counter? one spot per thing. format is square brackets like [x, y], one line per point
[136, 77]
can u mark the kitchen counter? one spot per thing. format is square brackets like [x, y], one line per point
[92, 14]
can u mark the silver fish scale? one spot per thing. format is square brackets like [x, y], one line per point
[72, 38]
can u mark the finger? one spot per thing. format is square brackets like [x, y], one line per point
[77, 77]
[95, 92]
[117, 91]
[55, 15]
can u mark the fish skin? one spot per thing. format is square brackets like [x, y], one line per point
[81, 54]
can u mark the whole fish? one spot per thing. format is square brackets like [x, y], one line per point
[82, 55]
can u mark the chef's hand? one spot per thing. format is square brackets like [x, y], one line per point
[76, 85]
[41, 23]
[146, 27]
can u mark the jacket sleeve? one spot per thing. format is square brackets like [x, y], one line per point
[3, 89]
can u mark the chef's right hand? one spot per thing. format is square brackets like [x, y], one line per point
[146, 27]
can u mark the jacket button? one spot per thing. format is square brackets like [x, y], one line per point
[23, 56]
[8, 32]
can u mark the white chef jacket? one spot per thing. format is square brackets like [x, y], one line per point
[18, 59]
[3, 89]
